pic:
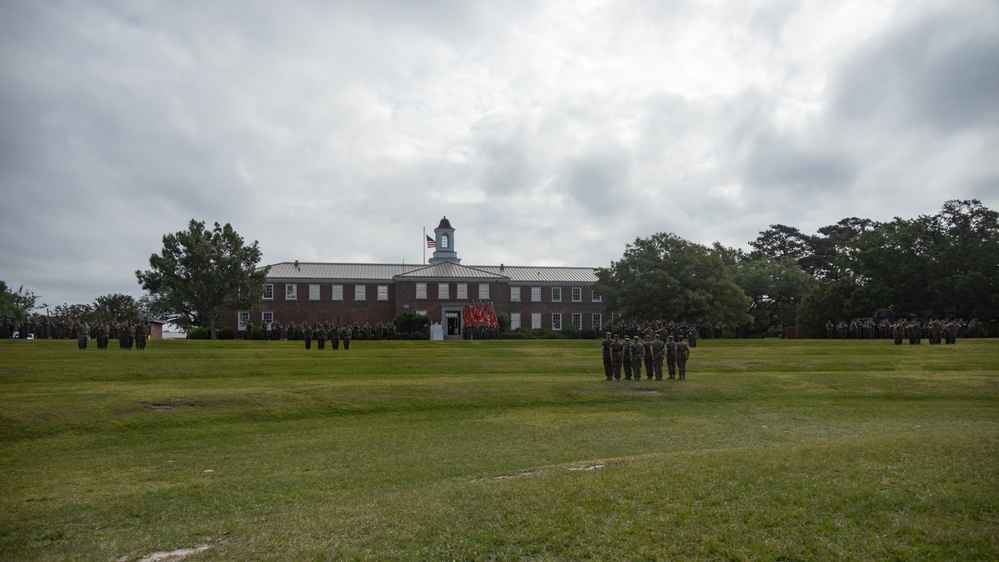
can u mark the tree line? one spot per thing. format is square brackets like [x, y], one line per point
[941, 265]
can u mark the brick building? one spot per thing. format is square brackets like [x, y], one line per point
[532, 297]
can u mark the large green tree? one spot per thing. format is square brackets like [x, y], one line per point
[775, 288]
[17, 304]
[201, 272]
[116, 307]
[664, 277]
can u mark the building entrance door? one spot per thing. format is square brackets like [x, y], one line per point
[453, 324]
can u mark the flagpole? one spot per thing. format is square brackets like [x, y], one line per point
[424, 240]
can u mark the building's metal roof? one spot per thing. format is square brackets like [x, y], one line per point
[352, 271]
[444, 270]
[543, 274]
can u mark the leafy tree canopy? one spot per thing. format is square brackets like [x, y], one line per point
[201, 272]
[116, 307]
[17, 303]
[665, 277]
[775, 288]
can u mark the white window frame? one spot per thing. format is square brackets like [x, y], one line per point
[577, 320]
[483, 291]
[266, 318]
[556, 294]
[443, 291]
[557, 321]
[360, 292]
[462, 292]
[241, 319]
[514, 294]
[595, 296]
[421, 290]
[577, 294]
[514, 320]
[423, 312]
[535, 294]
[314, 291]
[535, 320]
[382, 293]
[338, 292]
[268, 291]
[291, 291]
[597, 321]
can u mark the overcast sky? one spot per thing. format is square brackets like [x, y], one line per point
[548, 133]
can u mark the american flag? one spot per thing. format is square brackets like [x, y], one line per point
[431, 243]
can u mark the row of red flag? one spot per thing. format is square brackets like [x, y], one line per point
[479, 314]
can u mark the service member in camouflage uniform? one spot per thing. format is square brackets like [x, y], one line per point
[335, 336]
[626, 358]
[671, 357]
[321, 335]
[617, 356]
[637, 355]
[102, 335]
[605, 350]
[682, 354]
[647, 354]
[658, 354]
[82, 333]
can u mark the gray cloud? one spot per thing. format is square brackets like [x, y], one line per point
[937, 72]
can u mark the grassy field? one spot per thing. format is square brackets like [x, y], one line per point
[498, 450]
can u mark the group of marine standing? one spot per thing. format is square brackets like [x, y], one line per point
[629, 355]
[127, 334]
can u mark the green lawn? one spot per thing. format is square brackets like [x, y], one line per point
[498, 450]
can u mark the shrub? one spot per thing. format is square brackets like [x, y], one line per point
[410, 322]
[225, 334]
[571, 332]
[518, 335]
[199, 333]
[587, 334]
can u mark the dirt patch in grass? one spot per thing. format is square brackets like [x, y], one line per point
[166, 405]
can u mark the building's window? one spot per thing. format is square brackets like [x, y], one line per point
[462, 291]
[514, 294]
[423, 312]
[338, 292]
[421, 290]
[268, 291]
[266, 318]
[514, 320]
[483, 291]
[556, 294]
[241, 319]
[556, 321]
[577, 320]
[598, 321]
[535, 294]
[313, 292]
[360, 292]
[444, 241]
[577, 294]
[536, 320]
[443, 291]
[383, 292]
[290, 291]
[596, 297]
